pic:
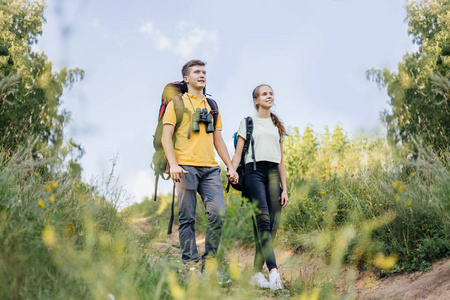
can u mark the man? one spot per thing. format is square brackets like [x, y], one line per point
[193, 167]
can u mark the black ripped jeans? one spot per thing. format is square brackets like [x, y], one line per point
[262, 187]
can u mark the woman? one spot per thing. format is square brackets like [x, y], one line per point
[262, 184]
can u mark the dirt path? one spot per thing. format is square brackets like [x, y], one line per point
[432, 285]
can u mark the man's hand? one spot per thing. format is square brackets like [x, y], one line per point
[232, 175]
[284, 199]
[176, 172]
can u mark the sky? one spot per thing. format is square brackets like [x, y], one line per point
[314, 54]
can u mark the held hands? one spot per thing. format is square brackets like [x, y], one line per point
[176, 172]
[233, 175]
[284, 199]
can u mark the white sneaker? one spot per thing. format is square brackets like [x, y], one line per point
[275, 281]
[259, 280]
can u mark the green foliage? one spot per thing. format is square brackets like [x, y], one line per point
[51, 230]
[368, 182]
[338, 140]
[30, 90]
[418, 90]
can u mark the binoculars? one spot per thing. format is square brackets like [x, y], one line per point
[202, 116]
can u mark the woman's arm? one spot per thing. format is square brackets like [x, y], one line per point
[221, 148]
[238, 153]
[281, 170]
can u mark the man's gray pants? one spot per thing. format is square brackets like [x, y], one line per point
[205, 180]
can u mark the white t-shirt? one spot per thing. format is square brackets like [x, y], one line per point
[267, 140]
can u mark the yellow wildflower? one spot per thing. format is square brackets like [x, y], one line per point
[66, 199]
[397, 199]
[71, 228]
[52, 199]
[235, 272]
[41, 203]
[402, 188]
[413, 174]
[323, 193]
[396, 184]
[36, 174]
[175, 289]
[47, 188]
[408, 203]
[49, 236]
[323, 213]
[53, 184]
[383, 262]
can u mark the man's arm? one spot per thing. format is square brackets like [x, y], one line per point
[175, 170]
[222, 150]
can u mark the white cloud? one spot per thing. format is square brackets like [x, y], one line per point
[190, 40]
[143, 186]
[161, 41]
[105, 33]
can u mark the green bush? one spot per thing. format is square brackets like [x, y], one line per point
[368, 182]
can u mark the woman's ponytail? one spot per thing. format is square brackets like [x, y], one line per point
[277, 122]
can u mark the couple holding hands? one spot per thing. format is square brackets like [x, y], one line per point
[193, 169]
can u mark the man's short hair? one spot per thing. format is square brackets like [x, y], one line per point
[186, 68]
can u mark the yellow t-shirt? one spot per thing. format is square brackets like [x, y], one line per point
[199, 149]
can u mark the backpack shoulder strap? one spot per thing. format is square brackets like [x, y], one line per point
[249, 126]
[214, 110]
[178, 105]
[248, 136]
[249, 139]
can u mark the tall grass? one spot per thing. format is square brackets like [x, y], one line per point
[364, 205]
[369, 181]
[59, 238]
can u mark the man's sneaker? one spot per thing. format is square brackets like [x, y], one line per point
[259, 280]
[275, 281]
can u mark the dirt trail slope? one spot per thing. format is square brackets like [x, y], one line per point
[432, 285]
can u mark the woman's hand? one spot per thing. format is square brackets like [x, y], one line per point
[284, 199]
[232, 175]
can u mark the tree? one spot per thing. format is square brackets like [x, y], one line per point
[30, 89]
[291, 154]
[309, 143]
[308, 148]
[339, 140]
[325, 137]
[419, 103]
